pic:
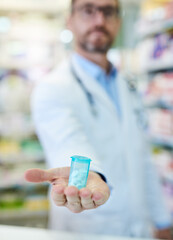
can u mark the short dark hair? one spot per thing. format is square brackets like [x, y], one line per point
[73, 2]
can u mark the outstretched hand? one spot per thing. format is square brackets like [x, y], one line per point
[95, 194]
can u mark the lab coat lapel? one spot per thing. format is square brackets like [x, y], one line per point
[94, 88]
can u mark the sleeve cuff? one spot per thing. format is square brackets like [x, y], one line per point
[161, 226]
[102, 177]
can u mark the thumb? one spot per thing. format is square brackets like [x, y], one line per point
[38, 175]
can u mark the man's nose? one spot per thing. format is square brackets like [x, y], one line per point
[99, 17]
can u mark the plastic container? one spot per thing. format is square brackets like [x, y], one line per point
[79, 171]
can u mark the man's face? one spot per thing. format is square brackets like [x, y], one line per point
[94, 24]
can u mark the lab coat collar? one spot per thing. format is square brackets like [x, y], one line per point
[94, 70]
[94, 87]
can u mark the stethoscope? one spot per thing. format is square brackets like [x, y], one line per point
[89, 96]
[138, 111]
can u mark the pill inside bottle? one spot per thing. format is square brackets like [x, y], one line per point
[79, 171]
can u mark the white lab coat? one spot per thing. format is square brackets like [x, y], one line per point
[66, 126]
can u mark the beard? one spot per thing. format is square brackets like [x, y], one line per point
[94, 48]
[97, 46]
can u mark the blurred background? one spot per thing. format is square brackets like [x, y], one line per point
[33, 39]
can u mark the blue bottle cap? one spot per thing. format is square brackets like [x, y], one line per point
[77, 158]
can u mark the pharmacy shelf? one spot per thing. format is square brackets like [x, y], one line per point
[159, 104]
[25, 187]
[21, 214]
[20, 159]
[148, 29]
[48, 38]
[22, 186]
[53, 7]
[161, 141]
[23, 65]
[168, 179]
[159, 66]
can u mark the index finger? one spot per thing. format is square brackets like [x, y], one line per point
[38, 175]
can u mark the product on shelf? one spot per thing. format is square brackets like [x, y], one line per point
[156, 53]
[156, 17]
[163, 160]
[161, 124]
[12, 173]
[160, 90]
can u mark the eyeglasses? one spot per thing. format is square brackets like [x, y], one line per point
[89, 11]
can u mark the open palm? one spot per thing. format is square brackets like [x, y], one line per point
[95, 194]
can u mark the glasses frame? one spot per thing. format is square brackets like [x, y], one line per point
[96, 9]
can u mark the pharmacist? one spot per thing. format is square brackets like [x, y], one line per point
[85, 107]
